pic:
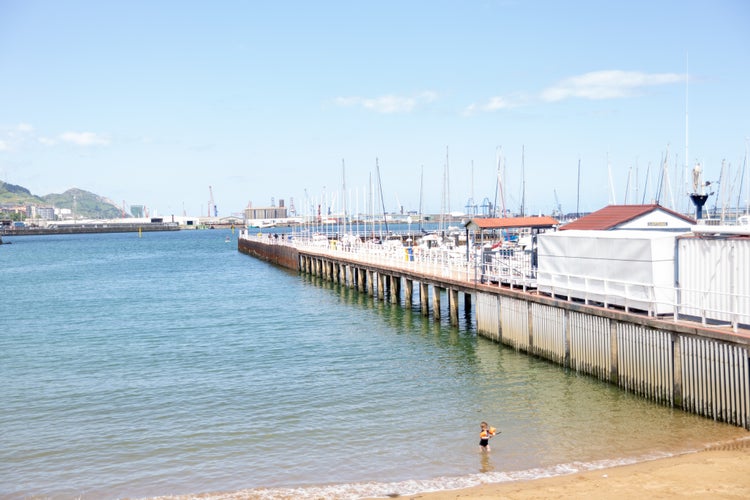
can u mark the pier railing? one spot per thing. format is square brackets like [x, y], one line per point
[515, 269]
[680, 303]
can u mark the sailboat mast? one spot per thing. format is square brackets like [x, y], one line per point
[343, 193]
[499, 185]
[421, 187]
[636, 181]
[578, 191]
[472, 188]
[687, 80]
[447, 180]
[611, 183]
[382, 201]
[523, 181]
[444, 200]
[627, 185]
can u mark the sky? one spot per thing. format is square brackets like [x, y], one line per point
[319, 103]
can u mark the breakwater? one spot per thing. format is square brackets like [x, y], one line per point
[683, 364]
[90, 229]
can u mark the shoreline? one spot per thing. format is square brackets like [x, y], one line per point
[720, 471]
[716, 472]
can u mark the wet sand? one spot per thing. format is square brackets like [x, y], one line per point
[715, 473]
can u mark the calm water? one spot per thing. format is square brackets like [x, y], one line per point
[172, 364]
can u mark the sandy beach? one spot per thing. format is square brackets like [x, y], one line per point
[714, 473]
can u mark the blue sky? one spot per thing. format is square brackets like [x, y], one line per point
[151, 102]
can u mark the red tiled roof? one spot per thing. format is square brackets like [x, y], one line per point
[514, 222]
[613, 215]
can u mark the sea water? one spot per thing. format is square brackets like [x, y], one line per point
[171, 364]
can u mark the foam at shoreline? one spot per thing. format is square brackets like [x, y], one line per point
[410, 487]
[351, 491]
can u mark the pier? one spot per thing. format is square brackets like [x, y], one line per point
[680, 360]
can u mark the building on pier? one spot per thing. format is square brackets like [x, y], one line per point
[632, 217]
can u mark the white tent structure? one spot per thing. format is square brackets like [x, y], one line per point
[631, 269]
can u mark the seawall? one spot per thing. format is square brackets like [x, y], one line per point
[91, 229]
[281, 255]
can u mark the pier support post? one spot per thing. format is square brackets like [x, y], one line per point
[677, 371]
[395, 289]
[436, 302]
[424, 299]
[371, 282]
[381, 286]
[566, 327]
[408, 291]
[361, 279]
[613, 369]
[530, 325]
[453, 306]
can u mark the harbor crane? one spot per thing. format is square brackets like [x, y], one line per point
[211, 204]
[558, 208]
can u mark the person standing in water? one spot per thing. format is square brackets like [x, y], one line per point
[485, 434]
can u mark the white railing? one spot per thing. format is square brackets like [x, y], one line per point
[656, 300]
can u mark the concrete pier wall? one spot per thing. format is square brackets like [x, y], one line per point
[282, 255]
[701, 371]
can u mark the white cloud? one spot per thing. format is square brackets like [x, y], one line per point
[497, 103]
[388, 103]
[25, 127]
[4, 146]
[47, 141]
[85, 138]
[612, 84]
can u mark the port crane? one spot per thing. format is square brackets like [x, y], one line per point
[557, 212]
[211, 204]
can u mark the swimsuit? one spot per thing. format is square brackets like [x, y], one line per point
[484, 438]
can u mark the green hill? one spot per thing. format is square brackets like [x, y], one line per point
[10, 193]
[87, 205]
